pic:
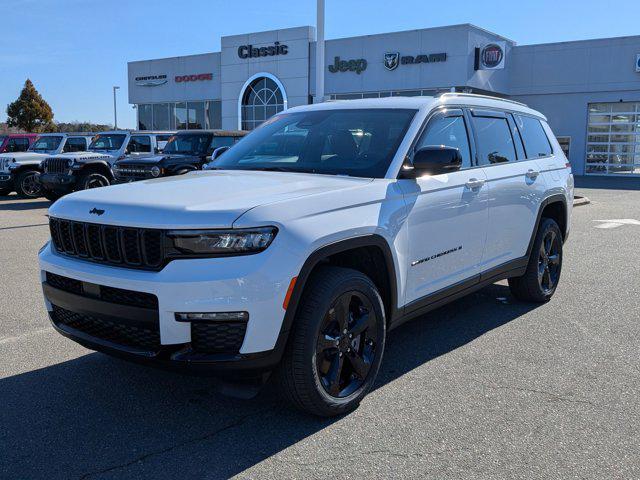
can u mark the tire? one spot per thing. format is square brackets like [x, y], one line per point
[183, 171]
[51, 195]
[541, 278]
[318, 346]
[92, 180]
[27, 185]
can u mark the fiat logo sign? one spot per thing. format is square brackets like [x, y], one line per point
[492, 56]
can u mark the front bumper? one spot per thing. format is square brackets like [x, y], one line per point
[256, 284]
[57, 181]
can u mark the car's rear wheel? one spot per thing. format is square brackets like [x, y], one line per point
[336, 346]
[27, 184]
[541, 278]
[93, 180]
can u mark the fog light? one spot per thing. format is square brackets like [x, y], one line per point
[213, 317]
[155, 171]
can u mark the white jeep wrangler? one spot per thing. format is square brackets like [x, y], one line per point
[19, 171]
[315, 234]
[66, 173]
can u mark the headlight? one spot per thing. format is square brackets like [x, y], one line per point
[155, 171]
[220, 242]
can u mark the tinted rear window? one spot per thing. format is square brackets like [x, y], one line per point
[495, 143]
[536, 143]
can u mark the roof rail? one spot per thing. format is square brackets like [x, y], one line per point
[476, 95]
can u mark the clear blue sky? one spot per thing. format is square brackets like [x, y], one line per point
[75, 50]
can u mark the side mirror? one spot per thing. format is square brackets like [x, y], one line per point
[217, 152]
[433, 160]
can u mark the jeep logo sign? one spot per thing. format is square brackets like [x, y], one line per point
[358, 66]
[492, 56]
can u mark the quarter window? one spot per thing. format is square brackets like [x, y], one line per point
[139, 144]
[536, 143]
[495, 143]
[450, 132]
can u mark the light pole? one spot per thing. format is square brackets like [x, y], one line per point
[320, 52]
[115, 109]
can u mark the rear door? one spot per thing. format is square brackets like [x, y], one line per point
[515, 186]
[447, 214]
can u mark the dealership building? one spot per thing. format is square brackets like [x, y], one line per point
[589, 90]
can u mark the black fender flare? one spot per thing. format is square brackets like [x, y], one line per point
[96, 163]
[556, 198]
[371, 240]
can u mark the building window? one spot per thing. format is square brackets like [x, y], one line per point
[214, 114]
[181, 116]
[565, 145]
[144, 117]
[392, 93]
[261, 100]
[161, 116]
[196, 115]
[613, 139]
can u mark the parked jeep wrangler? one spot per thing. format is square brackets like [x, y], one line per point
[19, 171]
[66, 173]
[186, 151]
[297, 257]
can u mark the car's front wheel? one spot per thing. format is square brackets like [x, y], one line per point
[93, 180]
[27, 184]
[541, 278]
[336, 345]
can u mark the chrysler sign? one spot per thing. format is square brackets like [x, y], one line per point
[151, 80]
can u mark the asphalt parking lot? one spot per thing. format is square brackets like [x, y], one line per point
[483, 388]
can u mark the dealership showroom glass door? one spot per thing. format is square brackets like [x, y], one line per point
[613, 139]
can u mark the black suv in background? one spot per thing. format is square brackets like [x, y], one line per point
[186, 151]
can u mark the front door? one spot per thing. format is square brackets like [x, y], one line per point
[447, 214]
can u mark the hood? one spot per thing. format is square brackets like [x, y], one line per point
[84, 156]
[23, 156]
[202, 199]
[152, 159]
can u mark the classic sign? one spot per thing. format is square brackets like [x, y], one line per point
[249, 51]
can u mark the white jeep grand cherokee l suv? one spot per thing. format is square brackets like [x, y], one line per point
[312, 237]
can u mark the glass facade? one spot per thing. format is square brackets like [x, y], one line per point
[613, 139]
[180, 116]
[391, 93]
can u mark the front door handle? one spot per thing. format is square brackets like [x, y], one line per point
[474, 183]
[532, 174]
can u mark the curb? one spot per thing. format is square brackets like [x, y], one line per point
[578, 201]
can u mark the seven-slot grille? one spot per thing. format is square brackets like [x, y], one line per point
[134, 171]
[4, 163]
[122, 246]
[56, 165]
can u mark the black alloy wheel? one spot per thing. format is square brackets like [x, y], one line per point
[28, 184]
[549, 262]
[346, 344]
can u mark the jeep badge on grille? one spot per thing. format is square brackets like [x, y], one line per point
[96, 211]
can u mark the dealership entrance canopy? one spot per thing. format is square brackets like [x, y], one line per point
[589, 90]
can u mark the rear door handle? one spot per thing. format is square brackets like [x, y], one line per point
[532, 174]
[473, 183]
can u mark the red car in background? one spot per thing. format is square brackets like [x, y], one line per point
[16, 142]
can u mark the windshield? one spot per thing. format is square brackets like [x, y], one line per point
[355, 142]
[46, 143]
[107, 142]
[192, 144]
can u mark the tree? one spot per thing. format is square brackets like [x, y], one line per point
[30, 111]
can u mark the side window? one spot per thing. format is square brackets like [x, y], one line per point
[162, 140]
[448, 131]
[139, 144]
[17, 145]
[495, 143]
[75, 144]
[536, 143]
[221, 142]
